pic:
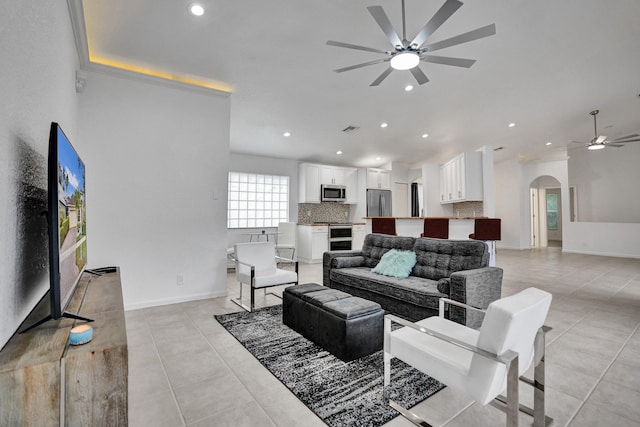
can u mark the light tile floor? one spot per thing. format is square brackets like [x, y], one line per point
[185, 369]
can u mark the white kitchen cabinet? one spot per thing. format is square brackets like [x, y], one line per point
[359, 232]
[308, 183]
[313, 242]
[332, 175]
[312, 176]
[461, 178]
[379, 179]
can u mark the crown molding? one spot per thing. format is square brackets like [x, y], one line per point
[76, 13]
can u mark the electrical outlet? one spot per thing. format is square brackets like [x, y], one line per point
[180, 280]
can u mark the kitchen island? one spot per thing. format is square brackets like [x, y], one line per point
[459, 229]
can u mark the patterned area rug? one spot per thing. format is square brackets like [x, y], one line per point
[341, 394]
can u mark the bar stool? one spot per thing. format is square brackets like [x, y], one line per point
[437, 228]
[384, 226]
[488, 230]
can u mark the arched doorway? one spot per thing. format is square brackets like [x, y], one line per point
[546, 212]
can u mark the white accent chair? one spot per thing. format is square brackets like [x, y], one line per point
[287, 238]
[480, 363]
[256, 266]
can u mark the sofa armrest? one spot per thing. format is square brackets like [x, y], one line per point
[327, 262]
[477, 288]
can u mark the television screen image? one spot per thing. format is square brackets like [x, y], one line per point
[71, 221]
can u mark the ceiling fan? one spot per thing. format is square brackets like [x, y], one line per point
[406, 55]
[600, 141]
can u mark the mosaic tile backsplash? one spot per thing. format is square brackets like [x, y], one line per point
[468, 209]
[308, 213]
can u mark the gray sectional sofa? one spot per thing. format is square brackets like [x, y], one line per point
[456, 269]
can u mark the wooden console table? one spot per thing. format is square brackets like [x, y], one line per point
[46, 382]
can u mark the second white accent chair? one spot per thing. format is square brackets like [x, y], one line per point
[480, 363]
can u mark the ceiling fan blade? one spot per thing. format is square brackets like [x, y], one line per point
[624, 142]
[600, 139]
[355, 46]
[365, 64]
[419, 75]
[456, 62]
[383, 21]
[615, 145]
[381, 77]
[444, 13]
[476, 34]
[622, 138]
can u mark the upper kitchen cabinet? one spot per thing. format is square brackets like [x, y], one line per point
[312, 176]
[379, 179]
[331, 175]
[461, 178]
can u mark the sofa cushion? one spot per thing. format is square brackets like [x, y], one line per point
[415, 290]
[396, 263]
[376, 245]
[437, 258]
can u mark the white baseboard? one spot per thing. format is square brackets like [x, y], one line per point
[177, 300]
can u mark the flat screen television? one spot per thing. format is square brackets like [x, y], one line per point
[67, 223]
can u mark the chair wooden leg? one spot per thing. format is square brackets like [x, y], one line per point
[253, 298]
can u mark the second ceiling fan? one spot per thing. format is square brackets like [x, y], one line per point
[406, 55]
[600, 141]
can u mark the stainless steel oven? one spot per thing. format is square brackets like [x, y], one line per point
[340, 237]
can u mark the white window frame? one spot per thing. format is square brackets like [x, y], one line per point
[257, 200]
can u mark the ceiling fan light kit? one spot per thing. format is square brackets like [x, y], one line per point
[404, 61]
[406, 55]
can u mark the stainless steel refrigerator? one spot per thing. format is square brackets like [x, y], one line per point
[378, 202]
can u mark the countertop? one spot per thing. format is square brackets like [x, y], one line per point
[315, 224]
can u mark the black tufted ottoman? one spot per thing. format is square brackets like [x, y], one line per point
[346, 326]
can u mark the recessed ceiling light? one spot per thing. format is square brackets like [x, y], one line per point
[511, 125]
[287, 134]
[384, 125]
[338, 152]
[425, 135]
[408, 88]
[196, 9]
[377, 158]
[548, 143]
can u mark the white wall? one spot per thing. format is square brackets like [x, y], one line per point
[157, 159]
[265, 165]
[511, 204]
[607, 183]
[37, 86]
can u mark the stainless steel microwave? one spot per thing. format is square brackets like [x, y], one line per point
[333, 193]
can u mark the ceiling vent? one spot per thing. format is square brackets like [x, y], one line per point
[350, 129]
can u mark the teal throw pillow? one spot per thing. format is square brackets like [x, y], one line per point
[396, 263]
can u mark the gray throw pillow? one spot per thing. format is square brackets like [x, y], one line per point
[443, 285]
